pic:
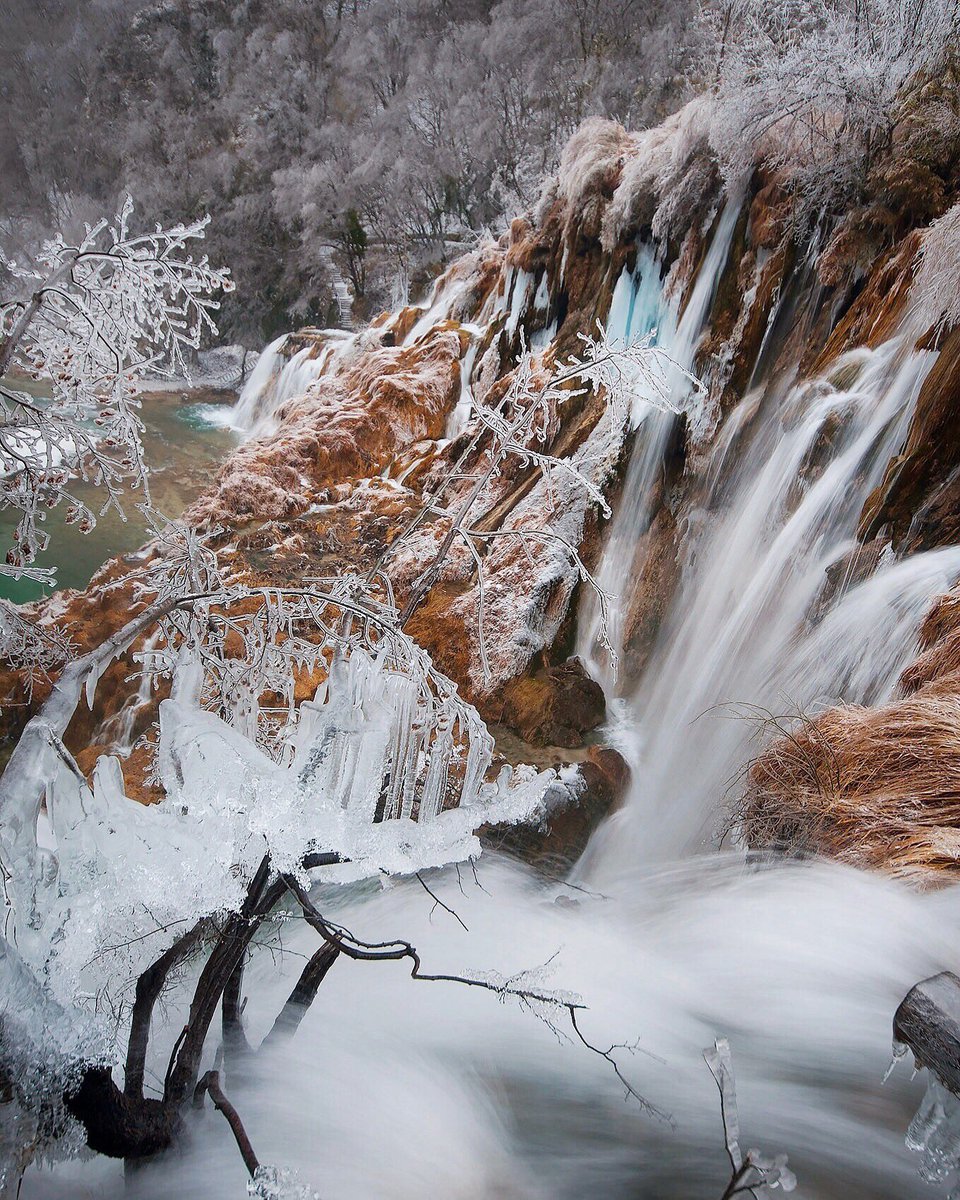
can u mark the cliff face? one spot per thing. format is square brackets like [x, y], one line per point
[343, 465]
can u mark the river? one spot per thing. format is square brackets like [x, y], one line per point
[183, 443]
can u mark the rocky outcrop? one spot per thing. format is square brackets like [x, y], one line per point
[918, 502]
[557, 706]
[349, 426]
[562, 834]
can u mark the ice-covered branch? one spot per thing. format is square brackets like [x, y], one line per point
[520, 427]
[92, 319]
[753, 1172]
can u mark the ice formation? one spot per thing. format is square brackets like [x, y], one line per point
[385, 774]
[934, 1134]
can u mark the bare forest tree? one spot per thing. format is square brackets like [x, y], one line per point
[310, 128]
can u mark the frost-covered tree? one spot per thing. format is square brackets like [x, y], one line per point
[817, 86]
[935, 294]
[386, 770]
[88, 319]
[428, 119]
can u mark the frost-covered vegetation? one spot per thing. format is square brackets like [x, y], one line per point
[357, 146]
[90, 319]
[385, 771]
[389, 131]
[819, 87]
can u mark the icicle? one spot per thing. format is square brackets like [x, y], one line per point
[899, 1050]
[934, 1132]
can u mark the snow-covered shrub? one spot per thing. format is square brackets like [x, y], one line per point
[936, 285]
[589, 165]
[667, 174]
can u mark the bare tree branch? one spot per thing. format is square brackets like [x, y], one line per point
[210, 1083]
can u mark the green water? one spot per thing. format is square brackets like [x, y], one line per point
[183, 447]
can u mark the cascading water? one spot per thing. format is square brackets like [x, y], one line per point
[764, 532]
[395, 1090]
[639, 309]
[276, 379]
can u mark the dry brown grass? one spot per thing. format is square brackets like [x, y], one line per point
[876, 786]
[879, 787]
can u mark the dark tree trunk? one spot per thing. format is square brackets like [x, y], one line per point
[304, 993]
[121, 1126]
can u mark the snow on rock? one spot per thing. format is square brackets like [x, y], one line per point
[349, 425]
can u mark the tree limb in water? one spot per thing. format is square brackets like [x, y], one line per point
[211, 1083]
[532, 998]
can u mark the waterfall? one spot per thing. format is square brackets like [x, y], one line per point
[638, 308]
[277, 378]
[798, 461]
[402, 1090]
[398, 1090]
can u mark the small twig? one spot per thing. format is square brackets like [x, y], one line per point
[607, 1056]
[211, 1083]
[577, 887]
[140, 938]
[438, 903]
[476, 877]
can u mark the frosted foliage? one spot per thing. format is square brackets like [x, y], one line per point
[547, 526]
[240, 652]
[90, 319]
[934, 292]
[95, 317]
[664, 173]
[519, 610]
[531, 990]
[279, 1183]
[934, 1134]
[812, 85]
[36, 647]
[591, 155]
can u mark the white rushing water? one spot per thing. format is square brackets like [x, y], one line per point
[638, 309]
[395, 1090]
[777, 508]
[276, 378]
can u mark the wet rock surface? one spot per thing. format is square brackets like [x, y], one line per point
[571, 816]
[557, 706]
